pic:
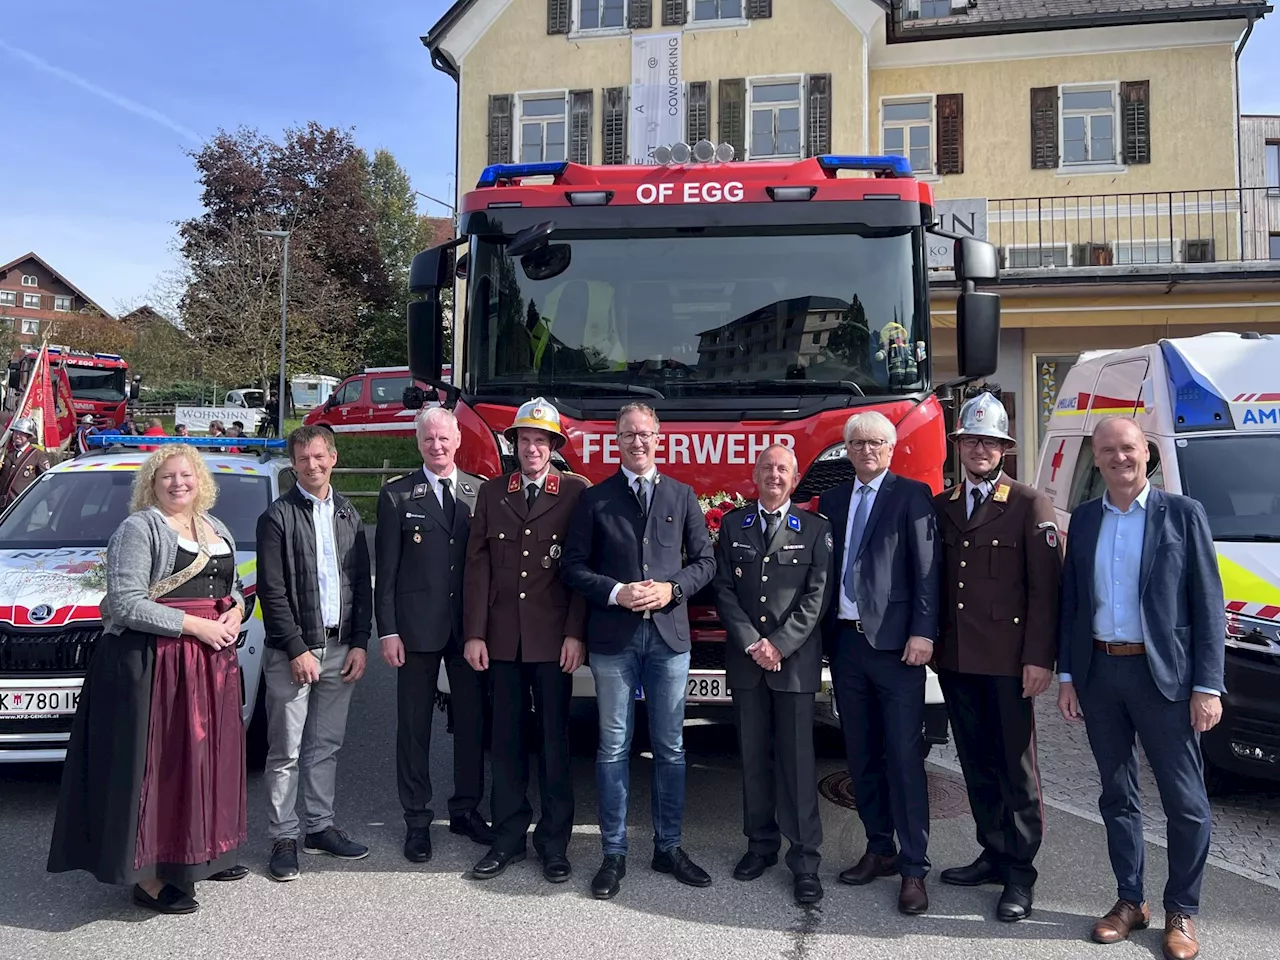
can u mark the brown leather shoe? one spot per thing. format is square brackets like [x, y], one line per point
[1180, 941]
[913, 900]
[1121, 919]
[871, 865]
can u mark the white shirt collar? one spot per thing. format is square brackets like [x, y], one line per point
[326, 502]
[874, 484]
[983, 485]
[1140, 500]
[526, 483]
[785, 508]
[452, 477]
[651, 475]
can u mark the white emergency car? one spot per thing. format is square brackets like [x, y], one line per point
[53, 543]
[1210, 406]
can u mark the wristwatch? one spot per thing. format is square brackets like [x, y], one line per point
[677, 593]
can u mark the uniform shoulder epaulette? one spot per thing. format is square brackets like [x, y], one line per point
[576, 476]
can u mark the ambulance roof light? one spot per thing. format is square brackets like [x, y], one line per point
[881, 166]
[1196, 404]
[503, 172]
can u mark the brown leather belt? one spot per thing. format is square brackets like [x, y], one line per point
[1120, 649]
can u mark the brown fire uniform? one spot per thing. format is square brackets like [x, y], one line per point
[515, 602]
[19, 470]
[1002, 563]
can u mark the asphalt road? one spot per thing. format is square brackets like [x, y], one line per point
[386, 908]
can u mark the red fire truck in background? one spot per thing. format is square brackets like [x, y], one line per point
[748, 303]
[99, 382]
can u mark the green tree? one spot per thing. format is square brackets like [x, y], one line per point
[396, 222]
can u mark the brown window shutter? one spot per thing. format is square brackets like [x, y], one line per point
[950, 133]
[698, 112]
[1135, 121]
[614, 129]
[818, 115]
[557, 16]
[1198, 251]
[500, 127]
[1044, 128]
[733, 115]
[639, 14]
[580, 125]
[674, 13]
[1091, 255]
[759, 9]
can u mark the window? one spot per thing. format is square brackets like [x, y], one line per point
[1275, 246]
[30, 326]
[542, 128]
[775, 120]
[601, 14]
[934, 9]
[29, 281]
[1087, 484]
[908, 132]
[8, 298]
[704, 10]
[62, 304]
[389, 389]
[31, 301]
[1025, 258]
[1144, 251]
[1089, 124]
[1273, 167]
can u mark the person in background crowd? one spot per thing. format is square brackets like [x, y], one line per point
[424, 520]
[22, 462]
[181, 430]
[1140, 654]
[772, 571]
[316, 593]
[525, 627]
[268, 426]
[84, 430]
[880, 633]
[154, 429]
[995, 653]
[638, 550]
[153, 787]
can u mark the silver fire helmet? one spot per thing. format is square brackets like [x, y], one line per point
[982, 416]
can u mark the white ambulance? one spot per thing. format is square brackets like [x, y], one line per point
[1210, 406]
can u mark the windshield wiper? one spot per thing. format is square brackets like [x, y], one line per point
[804, 386]
[607, 387]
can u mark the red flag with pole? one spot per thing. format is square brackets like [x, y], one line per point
[38, 403]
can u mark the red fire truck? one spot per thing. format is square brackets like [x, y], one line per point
[748, 303]
[99, 382]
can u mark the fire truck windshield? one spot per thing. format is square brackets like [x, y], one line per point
[90, 384]
[681, 314]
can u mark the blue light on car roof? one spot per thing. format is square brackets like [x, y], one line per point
[498, 172]
[129, 440]
[1196, 405]
[889, 166]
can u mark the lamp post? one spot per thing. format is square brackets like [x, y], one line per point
[284, 316]
[453, 211]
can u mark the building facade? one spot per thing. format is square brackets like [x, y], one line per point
[1098, 138]
[34, 295]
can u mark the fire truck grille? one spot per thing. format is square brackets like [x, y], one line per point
[55, 653]
[821, 477]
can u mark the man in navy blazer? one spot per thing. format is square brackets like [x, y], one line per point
[638, 550]
[879, 635]
[1141, 653]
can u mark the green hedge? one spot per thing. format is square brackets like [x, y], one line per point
[366, 451]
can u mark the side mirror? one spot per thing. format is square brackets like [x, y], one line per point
[530, 239]
[135, 387]
[15, 380]
[460, 267]
[330, 402]
[426, 337]
[977, 333]
[975, 260]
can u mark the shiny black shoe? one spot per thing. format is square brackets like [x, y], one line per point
[284, 860]
[608, 878]
[752, 865]
[238, 872]
[472, 825]
[677, 863]
[1015, 903]
[975, 874]
[417, 845]
[335, 843]
[807, 888]
[495, 862]
[555, 868]
[169, 900]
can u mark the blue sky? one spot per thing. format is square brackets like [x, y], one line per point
[108, 97]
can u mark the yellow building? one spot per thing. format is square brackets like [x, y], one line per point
[1098, 138]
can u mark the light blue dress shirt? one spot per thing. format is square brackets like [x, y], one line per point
[330, 579]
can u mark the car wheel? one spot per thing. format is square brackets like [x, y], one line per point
[255, 738]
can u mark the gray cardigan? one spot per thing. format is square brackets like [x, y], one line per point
[141, 553]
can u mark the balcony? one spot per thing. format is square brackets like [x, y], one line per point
[1213, 226]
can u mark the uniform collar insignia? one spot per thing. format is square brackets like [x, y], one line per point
[955, 494]
[749, 519]
[793, 522]
[420, 490]
[1002, 493]
[513, 485]
[467, 488]
[551, 485]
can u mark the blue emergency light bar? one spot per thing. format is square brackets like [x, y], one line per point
[129, 440]
[497, 173]
[884, 166]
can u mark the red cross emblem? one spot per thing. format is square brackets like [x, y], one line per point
[1057, 461]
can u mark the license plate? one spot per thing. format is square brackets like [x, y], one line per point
[707, 688]
[38, 703]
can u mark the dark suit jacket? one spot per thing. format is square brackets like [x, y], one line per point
[418, 593]
[1000, 576]
[896, 566]
[779, 593]
[1180, 590]
[289, 586]
[611, 542]
[514, 598]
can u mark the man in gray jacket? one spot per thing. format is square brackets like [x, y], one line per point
[317, 605]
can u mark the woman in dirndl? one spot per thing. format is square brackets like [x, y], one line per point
[153, 789]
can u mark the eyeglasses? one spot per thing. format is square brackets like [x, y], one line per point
[630, 437]
[987, 443]
[866, 444]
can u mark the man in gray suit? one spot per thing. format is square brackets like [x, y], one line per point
[772, 565]
[1141, 653]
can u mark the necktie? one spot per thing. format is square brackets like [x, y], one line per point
[446, 501]
[770, 528]
[977, 496]
[642, 495]
[530, 494]
[860, 515]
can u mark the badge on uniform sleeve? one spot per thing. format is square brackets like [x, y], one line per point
[1002, 493]
[831, 544]
[467, 489]
[420, 490]
[555, 551]
[1050, 532]
[552, 484]
[793, 522]
[513, 485]
[749, 519]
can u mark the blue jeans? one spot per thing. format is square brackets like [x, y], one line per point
[645, 662]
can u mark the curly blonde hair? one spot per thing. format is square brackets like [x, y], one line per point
[144, 487]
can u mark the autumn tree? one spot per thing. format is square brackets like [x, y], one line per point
[161, 353]
[92, 332]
